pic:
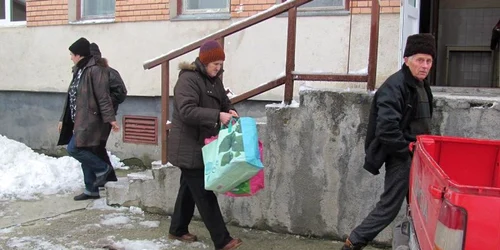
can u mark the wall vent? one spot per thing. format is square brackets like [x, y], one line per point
[140, 129]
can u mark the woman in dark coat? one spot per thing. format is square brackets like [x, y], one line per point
[201, 106]
[87, 114]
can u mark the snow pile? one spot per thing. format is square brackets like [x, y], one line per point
[26, 174]
[136, 210]
[116, 162]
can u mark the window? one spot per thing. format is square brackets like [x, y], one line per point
[204, 6]
[321, 5]
[97, 9]
[12, 11]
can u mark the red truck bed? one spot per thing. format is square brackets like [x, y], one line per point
[455, 193]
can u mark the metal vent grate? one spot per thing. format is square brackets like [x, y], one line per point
[140, 129]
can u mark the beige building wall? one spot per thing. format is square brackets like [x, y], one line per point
[37, 58]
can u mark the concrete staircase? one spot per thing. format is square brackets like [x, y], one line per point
[313, 156]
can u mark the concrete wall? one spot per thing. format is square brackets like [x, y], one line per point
[313, 154]
[37, 58]
[32, 117]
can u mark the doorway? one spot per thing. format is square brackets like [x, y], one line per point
[463, 30]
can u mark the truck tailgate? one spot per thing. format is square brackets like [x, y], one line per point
[455, 192]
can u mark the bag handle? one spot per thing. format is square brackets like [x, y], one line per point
[230, 124]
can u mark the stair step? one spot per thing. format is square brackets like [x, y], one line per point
[144, 175]
[117, 192]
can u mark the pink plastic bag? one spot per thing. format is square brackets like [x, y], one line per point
[250, 187]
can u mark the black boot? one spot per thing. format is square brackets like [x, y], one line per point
[102, 179]
[82, 197]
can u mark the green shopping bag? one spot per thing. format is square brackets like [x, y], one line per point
[233, 157]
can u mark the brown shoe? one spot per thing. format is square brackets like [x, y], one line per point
[185, 238]
[233, 244]
[349, 246]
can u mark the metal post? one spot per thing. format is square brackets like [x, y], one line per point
[373, 54]
[221, 41]
[290, 54]
[165, 95]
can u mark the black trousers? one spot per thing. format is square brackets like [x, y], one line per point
[396, 186]
[192, 191]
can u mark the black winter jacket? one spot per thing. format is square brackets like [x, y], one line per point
[392, 110]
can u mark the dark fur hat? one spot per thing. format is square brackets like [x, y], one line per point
[420, 44]
[80, 47]
[94, 50]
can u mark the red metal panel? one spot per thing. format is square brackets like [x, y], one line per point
[140, 129]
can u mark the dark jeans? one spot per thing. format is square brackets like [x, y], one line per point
[92, 166]
[192, 191]
[396, 186]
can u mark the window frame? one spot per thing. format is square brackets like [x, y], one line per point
[345, 7]
[8, 15]
[81, 17]
[184, 11]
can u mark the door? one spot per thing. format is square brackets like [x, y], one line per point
[410, 23]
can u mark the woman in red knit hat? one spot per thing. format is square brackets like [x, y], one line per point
[200, 107]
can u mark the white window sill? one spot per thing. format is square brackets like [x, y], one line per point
[12, 24]
[200, 17]
[93, 21]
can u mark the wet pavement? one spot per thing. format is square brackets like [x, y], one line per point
[58, 222]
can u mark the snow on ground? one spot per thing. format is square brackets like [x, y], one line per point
[157, 244]
[41, 243]
[27, 174]
[149, 223]
[29, 242]
[130, 218]
[100, 204]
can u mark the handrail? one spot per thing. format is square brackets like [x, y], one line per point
[259, 90]
[290, 74]
[260, 17]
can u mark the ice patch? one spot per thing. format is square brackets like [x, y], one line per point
[6, 230]
[156, 244]
[150, 224]
[115, 219]
[37, 242]
[100, 204]
[136, 210]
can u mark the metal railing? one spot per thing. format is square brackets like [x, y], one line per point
[290, 74]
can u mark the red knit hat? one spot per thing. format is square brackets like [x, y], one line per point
[211, 51]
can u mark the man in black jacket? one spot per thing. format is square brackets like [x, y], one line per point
[401, 110]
